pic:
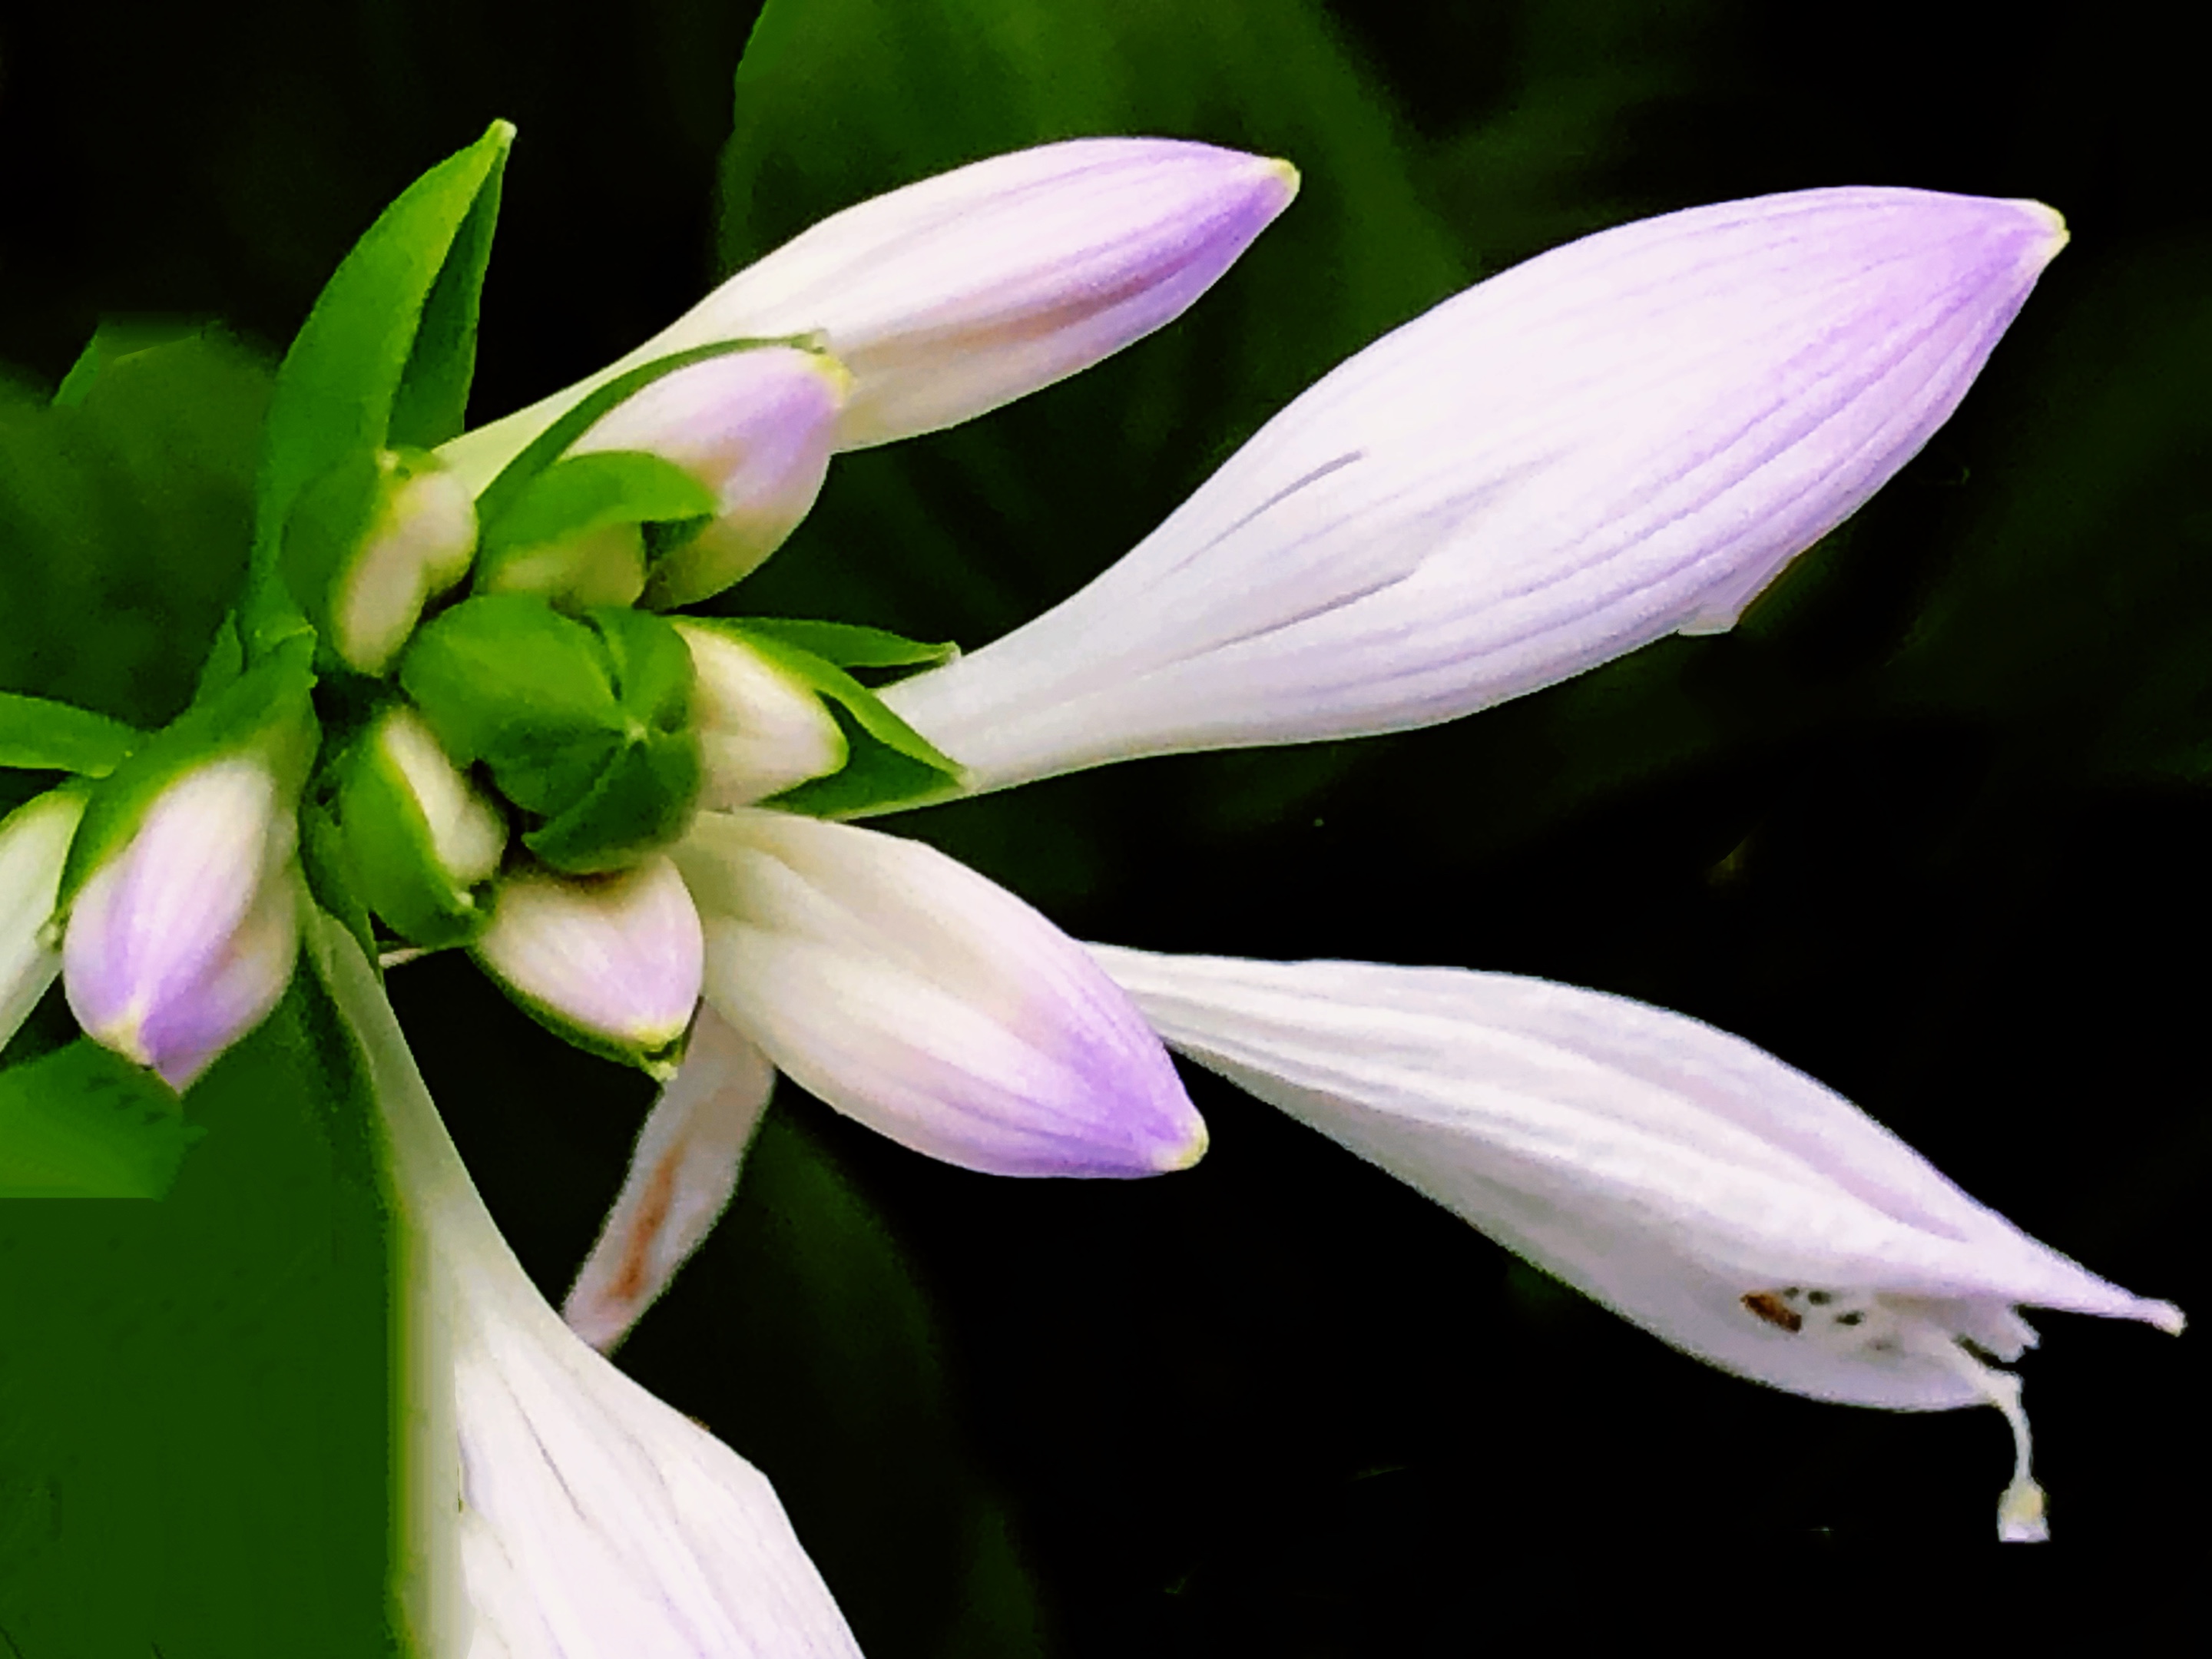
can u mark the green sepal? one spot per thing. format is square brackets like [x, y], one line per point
[643, 800]
[115, 340]
[507, 682]
[890, 764]
[848, 645]
[389, 843]
[268, 710]
[38, 734]
[385, 356]
[83, 1123]
[500, 496]
[574, 498]
[646, 796]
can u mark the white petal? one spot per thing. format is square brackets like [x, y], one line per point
[592, 1519]
[680, 1176]
[1623, 438]
[614, 959]
[907, 991]
[951, 296]
[34, 843]
[1666, 1169]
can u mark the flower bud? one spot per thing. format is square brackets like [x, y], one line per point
[757, 427]
[585, 721]
[761, 730]
[611, 963]
[957, 294]
[35, 841]
[423, 835]
[1623, 438]
[371, 543]
[181, 942]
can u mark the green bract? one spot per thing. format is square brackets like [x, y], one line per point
[583, 722]
[891, 764]
[41, 735]
[369, 543]
[576, 532]
[398, 799]
[385, 358]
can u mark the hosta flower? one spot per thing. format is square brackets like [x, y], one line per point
[574, 1513]
[1688, 1180]
[1624, 437]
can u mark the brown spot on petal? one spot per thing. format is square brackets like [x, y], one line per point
[652, 1211]
[1775, 1311]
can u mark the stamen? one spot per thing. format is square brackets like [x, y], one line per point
[2021, 1510]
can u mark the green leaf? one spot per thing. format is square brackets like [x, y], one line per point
[431, 404]
[850, 646]
[125, 519]
[206, 1382]
[392, 338]
[500, 496]
[112, 342]
[41, 735]
[83, 1122]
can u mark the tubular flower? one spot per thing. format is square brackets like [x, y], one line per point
[1623, 438]
[1687, 1180]
[556, 1509]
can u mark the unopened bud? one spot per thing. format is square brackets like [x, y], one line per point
[756, 428]
[761, 729]
[371, 543]
[611, 963]
[181, 942]
[423, 835]
[35, 841]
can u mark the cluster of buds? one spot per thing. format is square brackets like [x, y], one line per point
[496, 738]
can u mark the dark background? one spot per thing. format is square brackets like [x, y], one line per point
[1930, 825]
